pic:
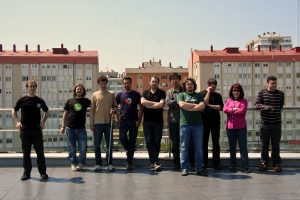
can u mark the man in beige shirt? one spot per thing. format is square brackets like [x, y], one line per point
[103, 105]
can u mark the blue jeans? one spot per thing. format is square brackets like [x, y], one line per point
[128, 141]
[240, 136]
[75, 136]
[270, 132]
[153, 135]
[101, 129]
[196, 132]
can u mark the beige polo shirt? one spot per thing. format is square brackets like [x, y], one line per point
[101, 102]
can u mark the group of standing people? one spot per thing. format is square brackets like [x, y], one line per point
[192, 118]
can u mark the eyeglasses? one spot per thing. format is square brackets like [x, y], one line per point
[235, 91]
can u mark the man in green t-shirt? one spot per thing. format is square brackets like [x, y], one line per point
[191, 125]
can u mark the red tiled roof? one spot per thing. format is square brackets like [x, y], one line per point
[19, 57]
[246, 56]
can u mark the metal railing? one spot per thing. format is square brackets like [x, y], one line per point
[55, 141]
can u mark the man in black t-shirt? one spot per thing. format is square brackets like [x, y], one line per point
[130, 118]
[73, 122]
[31, 126]
[153, 101]
[212, 120]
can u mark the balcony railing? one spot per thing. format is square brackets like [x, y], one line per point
[54, 141]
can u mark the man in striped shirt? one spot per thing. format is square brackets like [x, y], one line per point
[270, 103]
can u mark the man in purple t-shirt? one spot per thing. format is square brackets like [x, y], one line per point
[130, 118]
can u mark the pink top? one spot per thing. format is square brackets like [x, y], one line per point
[236, 119]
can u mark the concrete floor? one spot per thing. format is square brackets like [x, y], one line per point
[142, 184]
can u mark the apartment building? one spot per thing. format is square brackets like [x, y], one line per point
[56, 71]
[141, 76]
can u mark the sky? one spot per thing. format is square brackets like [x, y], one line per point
[128, 32]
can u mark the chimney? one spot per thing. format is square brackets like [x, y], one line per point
[1, 49]
[248, 48]
[258, 48]
[280, 48]
[38, 48]
[14, 48]
[150, 62]
[159, 62]
[61, 45]
[26, 48]
[270, 48]
[79, 48]
[170, 65]
[211, 48]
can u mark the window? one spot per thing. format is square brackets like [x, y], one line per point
[88, 78]
[7, 78]
[139, 76]
[288, 75]
[8, 140]
[288, 64]
[257, 75]
[297, 75]
[24, 78]
[279, 75]
[265, 65]
[217, 76]
[164, 77]
[257, 64]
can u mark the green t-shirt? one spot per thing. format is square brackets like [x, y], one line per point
[190, 117]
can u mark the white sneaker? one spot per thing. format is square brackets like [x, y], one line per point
[97, 168]
[73, 167]
[80, 167]
[110, 168]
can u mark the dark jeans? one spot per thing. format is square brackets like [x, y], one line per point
[273, 133]
[214, 129]
[128, 134]
[35, 138]
[101, 129]
[175, 139]
[240, 136]
[153, 135]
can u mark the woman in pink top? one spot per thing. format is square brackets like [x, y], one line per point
[236, 108]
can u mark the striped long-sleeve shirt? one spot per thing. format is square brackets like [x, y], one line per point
[270, 104]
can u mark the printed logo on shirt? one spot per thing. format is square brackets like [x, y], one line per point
[38, 105]
[128, 101]
[190, 99]
[77, 107]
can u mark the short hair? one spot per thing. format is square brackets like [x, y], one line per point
[192, 80]
[127, 78]
[155, 78]
[212, 81]
[271, 78]
[102, 79]
[174, 75]
[239, 87]
[30, 81]
[76, 86]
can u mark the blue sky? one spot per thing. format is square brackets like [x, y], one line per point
[128, 32]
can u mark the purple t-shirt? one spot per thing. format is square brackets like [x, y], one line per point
[128, 104]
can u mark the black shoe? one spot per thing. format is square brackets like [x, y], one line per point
[277, 168]
[232, 169]
[25, 177]
[44, 177]
[246, 170]
[202, 172]
[263, 166]
[218, 168]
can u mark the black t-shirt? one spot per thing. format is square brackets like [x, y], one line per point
[128, 104]
[77, 112]
[31, 111]
[153, 114]
[212, 116]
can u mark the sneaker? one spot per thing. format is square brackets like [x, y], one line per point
[110, 168]
[184, 172]
[157, 167]
[97, 168]
[263, 166]
[128, 166]
[44, 177]
[232, 169]
[73, 167]
[277, 168]
[202, 172]
[79, 167]
[152, 167]
[25, 177]
[246, 170]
